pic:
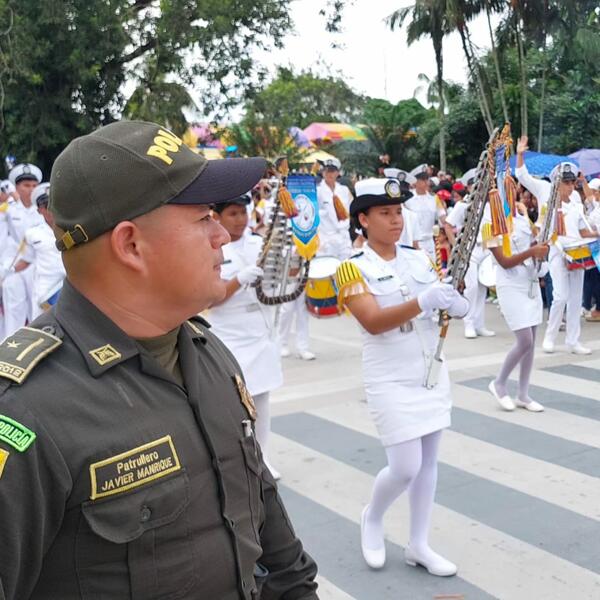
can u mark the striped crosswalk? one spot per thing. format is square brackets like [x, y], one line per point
[518, 500]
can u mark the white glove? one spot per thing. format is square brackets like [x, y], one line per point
[439, 295]
[459, 307]
[249, 275]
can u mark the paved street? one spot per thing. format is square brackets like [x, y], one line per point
[518, 500]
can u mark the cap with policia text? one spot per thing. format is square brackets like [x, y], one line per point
[130, 168]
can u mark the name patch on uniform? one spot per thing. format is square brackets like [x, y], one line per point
[385, 278]
[15, 434]
[133, 468]
[3, 458]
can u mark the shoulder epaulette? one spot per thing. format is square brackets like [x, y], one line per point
[349, 282]
[22, 351]
[4, 207]
[358, 254]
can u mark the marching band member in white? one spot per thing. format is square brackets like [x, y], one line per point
[520, 299]
[334, 201]
[41, 252]
[567, 285]
[475, 292]
[411, 231]
[426, 207]
[241, 322]
[18, 280]
[392, 291]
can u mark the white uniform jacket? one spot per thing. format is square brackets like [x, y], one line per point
[334, 235]
[244, 325]
[428, 213]
[394, 362]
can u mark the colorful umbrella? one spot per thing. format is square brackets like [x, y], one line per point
[333, 132]
[299, 137]
[588, 159]
[315, 156]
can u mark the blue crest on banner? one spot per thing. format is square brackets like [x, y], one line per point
[303, 189]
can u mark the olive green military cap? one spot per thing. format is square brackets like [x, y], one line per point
[130, 168]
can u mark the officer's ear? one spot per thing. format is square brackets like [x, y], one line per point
[127, 245]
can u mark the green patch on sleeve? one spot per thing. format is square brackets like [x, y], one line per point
[15, 434]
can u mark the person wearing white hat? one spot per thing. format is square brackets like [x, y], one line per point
[17, 284]
[591, 281]
[567, 285]
[426, 207]
[334, 201]
[41, 252]
[393, 292]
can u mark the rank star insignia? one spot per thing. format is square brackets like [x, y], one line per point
[12, 344]
[245, 397]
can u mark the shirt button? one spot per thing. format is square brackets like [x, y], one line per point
[232, 523]
[145, 514]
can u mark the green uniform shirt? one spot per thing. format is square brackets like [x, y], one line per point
[116, 482]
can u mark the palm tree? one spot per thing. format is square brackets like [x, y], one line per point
[428, 18]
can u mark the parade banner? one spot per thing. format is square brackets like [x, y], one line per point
[303, 189]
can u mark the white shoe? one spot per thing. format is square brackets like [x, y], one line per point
[470, 333]
[285, 352]
[548, 346]
[307, 355]
[579, 349]
[483, 332]
[532, 406]
[504, 401]
[435, 564]
[374, 558]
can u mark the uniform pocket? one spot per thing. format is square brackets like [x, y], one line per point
[142, 536]
[254, 474]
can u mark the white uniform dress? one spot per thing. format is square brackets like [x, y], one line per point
[244, 324]
[411, 232]
[428, 213]
[567, 286]
[334, 235]
[394, 362]
[518, 288]
[48, 270]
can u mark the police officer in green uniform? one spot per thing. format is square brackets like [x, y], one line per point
[128, 462]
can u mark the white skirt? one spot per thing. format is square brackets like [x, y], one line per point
[403, 413]
[518, 308]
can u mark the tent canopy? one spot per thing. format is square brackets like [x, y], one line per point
[333, 132]
[540, 164]
[317, 155]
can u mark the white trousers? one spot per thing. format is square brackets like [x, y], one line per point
[290, 312]
[16, 299]
[567, 292]
[475, 292]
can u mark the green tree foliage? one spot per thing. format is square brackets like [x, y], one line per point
[301, 99]
[63, 63]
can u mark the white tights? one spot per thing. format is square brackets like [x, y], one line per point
[412, 465]
[520, 354]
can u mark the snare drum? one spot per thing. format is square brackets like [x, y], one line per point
[487, 271]
[321, 294]
[579, 254]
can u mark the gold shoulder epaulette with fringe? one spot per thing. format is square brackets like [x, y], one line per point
[22, 351]
[349, 282]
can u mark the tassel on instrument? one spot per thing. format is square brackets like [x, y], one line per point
[499, 224]
[340, 209]
[288, 206]
[560, 228]
[510, 187]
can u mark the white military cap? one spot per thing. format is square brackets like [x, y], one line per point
[435, 180]
[39, 192]
[377, 192]
[470, 174]
[595, 184]
[400, 175]
[332, 162]
[7, 186]
[419, 170]
[568, 171]
[25, 171]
